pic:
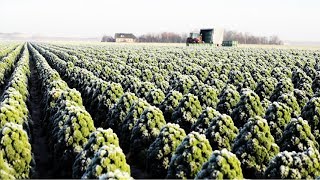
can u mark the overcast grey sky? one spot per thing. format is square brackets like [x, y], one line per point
[289, 19]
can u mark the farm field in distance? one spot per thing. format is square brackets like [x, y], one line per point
[132, 111]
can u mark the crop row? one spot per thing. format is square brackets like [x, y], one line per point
[246, 112]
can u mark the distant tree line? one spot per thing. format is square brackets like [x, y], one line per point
[247, 38]
[171, 37]
[164, 37]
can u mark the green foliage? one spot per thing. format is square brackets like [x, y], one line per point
[283, 86]
[109, 158]
[131, 84]
[228, 99]
[207, 96]
[221, 132]
[316, 84]
[290, 100]
[144, 88]
[146, 75]
[16, 150]
[183, 84]
[196, 88]
[221, 165]
[265, 104]
[161, 150]
[248, 81]
[302, 97]
[189, 157]
[119, 112]
[7, 63]
[71, 127]
[255, 147]
[235, 78]
[311, 113]
[6, 172]
[278, 116]
[130, 121]
[265, 87]
[249, 106]
[204, 120]
[155, 97]
[299, 77]
[145, 131]
[187, 112]
[297, 136]
[170, 102]
[116, 175]
[217, 84]
[160, 82]
[108, 100]
[211, 76]
[97, 139]
[294, 165]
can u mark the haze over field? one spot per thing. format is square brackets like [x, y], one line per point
[291, 20]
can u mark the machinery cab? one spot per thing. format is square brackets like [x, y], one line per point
[206, 36]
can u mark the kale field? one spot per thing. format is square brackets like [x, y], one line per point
[75, 110]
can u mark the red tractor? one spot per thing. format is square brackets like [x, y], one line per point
[195, 38]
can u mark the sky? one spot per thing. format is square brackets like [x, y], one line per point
[295, 20]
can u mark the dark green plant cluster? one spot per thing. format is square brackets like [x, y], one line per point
[144, 88]
[211, 77]
[116, 175]
[146, 75]
[311, 113]
[160, 82]
[302, 97]
[248, 81]
[189, 157]
[187, 113]
[108, 100]
[131, 84]
[291, 101]
[144, 132]
[195, 89]
[161, 150]
[221, 132]
[119, 112]
[109, 158]
[16, 150]
[217, 84]
[255, 147]
[278, 116]
[7, 63]
[297, 136]
[316, 84]
[294, 165]
[170, 102]
[183, 84]
[97, 139]
[249, 106]
[130, 121]
[235, 78]
[221, 165]
[155, 97]
[228, 99]
[265, 87]
[283, 86]
[204, 120]
[207, 96]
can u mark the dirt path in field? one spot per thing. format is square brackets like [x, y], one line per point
[44, 165]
